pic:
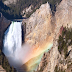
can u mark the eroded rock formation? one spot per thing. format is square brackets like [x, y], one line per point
[42, 28]
[63, 17]
[39, 30]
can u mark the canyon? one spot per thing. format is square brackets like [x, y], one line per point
[41, 31]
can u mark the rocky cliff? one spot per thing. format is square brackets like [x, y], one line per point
[1, 69]
[63, 16]
[41, 31]
[42, 28]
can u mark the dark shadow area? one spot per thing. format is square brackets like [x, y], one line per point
[0, 14]
[8, 12]
[53, 5]
[23, 36]
[13, 11]
[53, 9]
[4, 63]
[3, 27]
[68, 53]
[23, 68]
[23, 32]
[3, 6]
[4, 24]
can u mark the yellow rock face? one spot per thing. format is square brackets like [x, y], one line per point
[39, 35]
[41, 31]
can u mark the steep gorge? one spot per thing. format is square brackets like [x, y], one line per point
[41, 32]
[63, 16]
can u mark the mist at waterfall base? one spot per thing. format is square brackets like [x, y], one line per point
[18, 54]
[12, 45]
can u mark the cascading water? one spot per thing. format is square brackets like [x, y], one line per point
[13, 49]
[12, 42]
[19, 54]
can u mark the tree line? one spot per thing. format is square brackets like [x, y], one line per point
[13, 11]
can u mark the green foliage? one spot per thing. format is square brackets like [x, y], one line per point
[63, 41]
[61, 44]
[9, 12]
[58, 69]
[13, 11]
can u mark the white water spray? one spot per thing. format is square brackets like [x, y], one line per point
[16, 53]
[12, 43]
[13, 49]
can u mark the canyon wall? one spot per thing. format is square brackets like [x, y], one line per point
[63, 17]
[42, 22]
[41, 31]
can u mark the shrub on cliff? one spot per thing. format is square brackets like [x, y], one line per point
[57, 69]
[63, 41]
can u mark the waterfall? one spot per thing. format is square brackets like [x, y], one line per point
[18, 54]
[12, 43]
